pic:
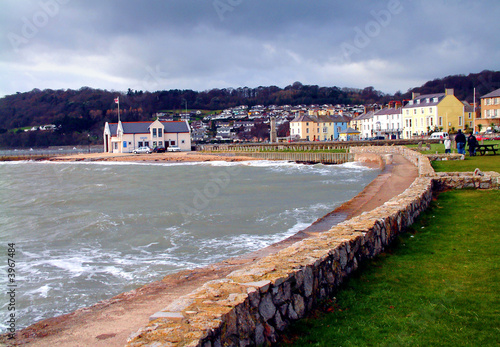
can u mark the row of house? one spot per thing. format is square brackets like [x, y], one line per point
[422, 115]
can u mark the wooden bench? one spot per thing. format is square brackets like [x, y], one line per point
[484, 148]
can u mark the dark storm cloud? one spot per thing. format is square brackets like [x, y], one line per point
[201, 44]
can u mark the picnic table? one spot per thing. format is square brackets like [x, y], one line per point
[484, 148]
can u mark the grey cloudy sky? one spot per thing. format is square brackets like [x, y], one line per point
[202, 44]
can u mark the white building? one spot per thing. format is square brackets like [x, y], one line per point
[124, 137]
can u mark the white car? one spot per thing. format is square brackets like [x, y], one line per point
[173, 149]
[142, 150]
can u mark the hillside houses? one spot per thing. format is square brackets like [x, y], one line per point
[413, 118]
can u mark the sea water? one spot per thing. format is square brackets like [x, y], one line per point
[84, 232]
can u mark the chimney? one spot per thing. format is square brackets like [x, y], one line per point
[414, 95]
[450, 91]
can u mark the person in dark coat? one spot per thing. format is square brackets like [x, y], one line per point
[461, 141]
[472, 142]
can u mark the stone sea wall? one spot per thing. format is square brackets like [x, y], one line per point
[251, 306]
[463, 180]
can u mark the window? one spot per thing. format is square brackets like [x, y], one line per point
[139, 144]
[182, 141]
[440, 121]
[325, 130]
[154, 144]
[146, 143]
[307, 131]
[459, 121]
[160, 132]
[154, 132]
[172, 143]
[160, 143]
[415, 111]
[430, 109]
[422, 110]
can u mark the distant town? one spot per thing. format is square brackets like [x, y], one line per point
[430, 115]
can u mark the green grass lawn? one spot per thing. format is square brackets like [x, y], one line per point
[439, 147]
[484, 163]
[487, 162]
[438, 285]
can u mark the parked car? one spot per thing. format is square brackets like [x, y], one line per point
[481, 138]
[144, 149]
[159, 149]
[173, 149]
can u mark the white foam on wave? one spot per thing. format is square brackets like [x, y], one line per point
[42, 291]
[73, 265]
[354, 165]
[113, 270]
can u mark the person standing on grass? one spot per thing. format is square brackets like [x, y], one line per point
[460, 140]
[472, 142]
[447, 145]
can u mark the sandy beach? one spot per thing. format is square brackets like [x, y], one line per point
[171, 157]
[110, 322]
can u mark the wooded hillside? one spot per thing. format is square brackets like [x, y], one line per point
[81, 114]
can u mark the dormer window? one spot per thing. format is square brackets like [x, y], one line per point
[411, 102]
[428, 100]
[435, 100]
[418, 102]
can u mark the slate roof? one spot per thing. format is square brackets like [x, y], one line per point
[366, 115]
[423, 100]
[143, 127]
[388, 111]
[322, 119]
[350, 131]
[304, 118]
[493, 94]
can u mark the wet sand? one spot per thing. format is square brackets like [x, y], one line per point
[110, 322]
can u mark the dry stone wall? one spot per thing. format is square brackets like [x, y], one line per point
[463, 180]
[251, 306]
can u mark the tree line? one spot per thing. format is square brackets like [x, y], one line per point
[80, 114]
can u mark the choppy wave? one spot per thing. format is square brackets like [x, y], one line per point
[87, 231]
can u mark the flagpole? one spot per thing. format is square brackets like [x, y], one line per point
[117, 100]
